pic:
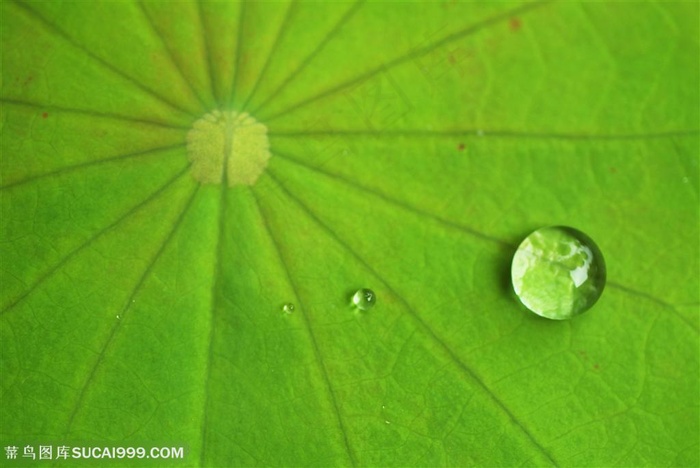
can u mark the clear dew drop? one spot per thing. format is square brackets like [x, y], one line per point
[288, 308]
[558, 272]
[364, 299]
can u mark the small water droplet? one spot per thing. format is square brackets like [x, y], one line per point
[558, 272]
[288, 308]
[387, 422]
[119, 316]
[364, 299]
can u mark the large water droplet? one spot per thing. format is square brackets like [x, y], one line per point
[288, 308]
[558, 272]
[364, 299]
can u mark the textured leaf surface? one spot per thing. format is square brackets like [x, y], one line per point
[413, 146]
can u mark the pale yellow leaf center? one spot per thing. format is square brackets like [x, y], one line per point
[228, 146]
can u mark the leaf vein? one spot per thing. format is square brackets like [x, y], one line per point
[204, 31]
[483, 133]
[92, 239]
[278, 38]
[312, 335]
[419, 321]
[413, 54]
[236, 73]
[171, 55]
[63, 35]
[402, 205]
[117, 325]
[91, 113]
[87, 164]
[309, 58]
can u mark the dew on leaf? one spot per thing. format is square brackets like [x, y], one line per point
[288, 308]
[364, 299]
[558, 272]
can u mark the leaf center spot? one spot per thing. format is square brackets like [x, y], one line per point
[228, 147]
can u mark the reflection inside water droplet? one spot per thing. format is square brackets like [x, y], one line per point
[288, 308]
[558, 272]
[364, 299]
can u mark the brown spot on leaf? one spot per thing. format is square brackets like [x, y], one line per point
[45, 114]
[515, 24]
[460, 147]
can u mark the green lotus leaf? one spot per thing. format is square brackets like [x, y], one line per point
[412, 146]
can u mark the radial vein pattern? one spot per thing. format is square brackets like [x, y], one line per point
[411, 149]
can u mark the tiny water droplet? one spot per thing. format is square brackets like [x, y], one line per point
[288, 308]
[558, 272]
[119, 316]
[364, 299]
[387, 422]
